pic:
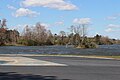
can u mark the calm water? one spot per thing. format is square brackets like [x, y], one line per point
[102, 50]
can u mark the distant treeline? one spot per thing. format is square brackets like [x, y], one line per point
[39, 35]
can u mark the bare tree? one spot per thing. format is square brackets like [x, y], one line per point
[62, 33]
[41, 33]
[37, 33]
[72, 29]
[84, 30]
[27, 32]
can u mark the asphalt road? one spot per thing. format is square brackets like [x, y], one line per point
[76, 69]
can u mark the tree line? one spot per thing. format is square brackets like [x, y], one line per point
[38, 35]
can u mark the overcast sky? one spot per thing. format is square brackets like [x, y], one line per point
[102, 15]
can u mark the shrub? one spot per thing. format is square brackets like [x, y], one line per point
[88, 45]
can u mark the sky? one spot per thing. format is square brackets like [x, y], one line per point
[102, 16]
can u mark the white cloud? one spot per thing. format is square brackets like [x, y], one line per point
[113, 26]
[11, 7]
[112, 18]
[45, 25]
[55, 4]
[18, 27]
[59, 23]
[42, 24]
[25, 12]
[109, 30]
[82, 21]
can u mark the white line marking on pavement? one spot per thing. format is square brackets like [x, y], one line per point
[23, 61]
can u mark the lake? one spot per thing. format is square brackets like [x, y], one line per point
[102, 50]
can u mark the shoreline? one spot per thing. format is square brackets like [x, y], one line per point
[64, 55]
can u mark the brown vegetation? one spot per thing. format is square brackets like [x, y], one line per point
[38, 35]
[7, 36]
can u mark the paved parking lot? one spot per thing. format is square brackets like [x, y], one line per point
[77, 69]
